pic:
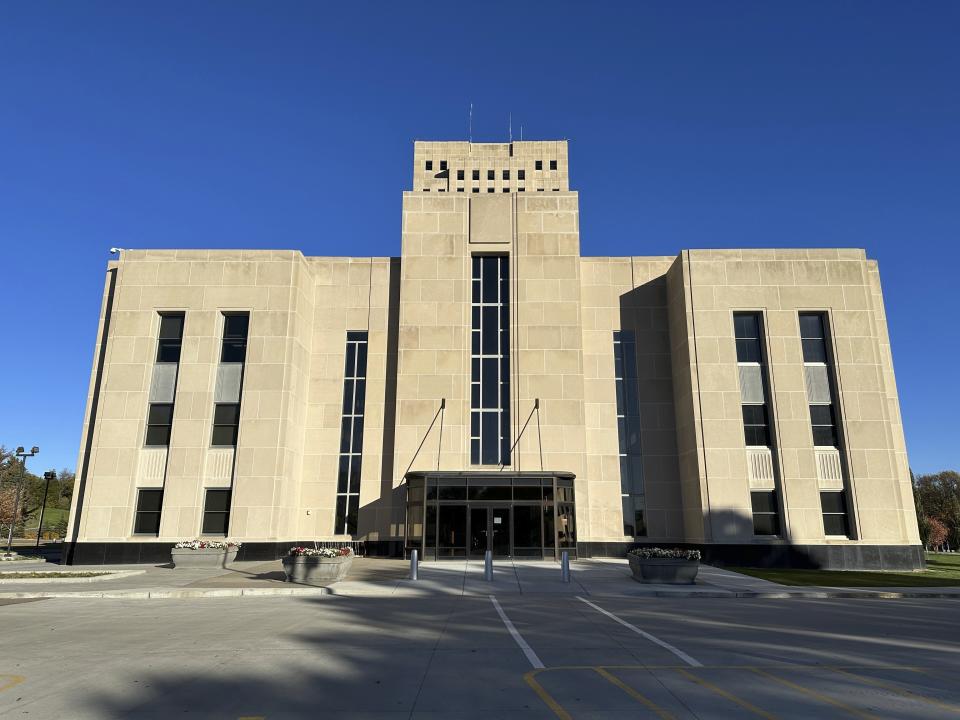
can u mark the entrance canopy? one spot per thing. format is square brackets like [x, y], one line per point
[513, 514]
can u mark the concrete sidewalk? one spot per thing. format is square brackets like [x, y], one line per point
[378, 577]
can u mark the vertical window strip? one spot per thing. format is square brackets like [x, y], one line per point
[164, 382]
[757, 426]
[823, 416]
[351, 434]
[233, 355]
[490, 361]
[632, 496]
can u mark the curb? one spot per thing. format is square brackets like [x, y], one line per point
[179, 593]
[108, 575]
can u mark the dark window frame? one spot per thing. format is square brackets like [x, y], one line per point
[153, 515]
[225, 430]
[157, 428]
[766, 518]
[211, 516]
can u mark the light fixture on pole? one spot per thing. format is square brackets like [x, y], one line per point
[23, 455]
[48, 476]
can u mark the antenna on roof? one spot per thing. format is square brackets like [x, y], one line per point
[521, 133]
[471, 123]
[510, 126]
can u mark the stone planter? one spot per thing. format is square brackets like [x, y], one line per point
[203, 558]
[314, 570]
[664, 570]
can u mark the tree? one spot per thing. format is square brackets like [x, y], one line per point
[937, 496]
[937, 533]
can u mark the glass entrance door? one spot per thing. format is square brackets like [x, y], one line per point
[479, 531]
[500, 531]
[490, 530]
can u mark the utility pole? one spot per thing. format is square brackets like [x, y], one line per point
[48, 476]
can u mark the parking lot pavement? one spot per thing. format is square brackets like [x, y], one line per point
[460, 657]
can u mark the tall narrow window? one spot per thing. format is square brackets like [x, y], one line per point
[628, 428]
[823, 424]
[164, 381]
[147, 517]
[490, 361]
[216, 511]
[351, 433]
[233, 355]
[757, 434]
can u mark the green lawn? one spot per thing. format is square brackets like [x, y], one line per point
[942, 570]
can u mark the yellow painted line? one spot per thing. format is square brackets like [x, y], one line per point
[819, 696]
[636, 695]
[9, 681]
[901, 691]
[531, 680]
[728, 695]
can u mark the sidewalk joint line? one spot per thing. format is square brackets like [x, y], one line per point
[652, 638]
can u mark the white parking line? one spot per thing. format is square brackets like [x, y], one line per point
[527, 650]
[665, 645]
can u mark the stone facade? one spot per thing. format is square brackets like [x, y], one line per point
[564, 309]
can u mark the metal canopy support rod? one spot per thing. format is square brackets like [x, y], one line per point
[536, 409]
[443, 404]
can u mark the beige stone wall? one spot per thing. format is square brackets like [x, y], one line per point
[486, 157]
[630, 294]
[564, 311]
[273, 287]
[780, 283]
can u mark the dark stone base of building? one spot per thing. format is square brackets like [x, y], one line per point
[815, 557]
[808, 557]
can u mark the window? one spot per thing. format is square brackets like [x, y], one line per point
[553, 164]
[521, 174]
[234, 348]
[459, 189]
[834, 506]
[216, 512]
[756, 426]
[426, 189]
[490, 361]
[813, 338]
[429, 165]
[159, 423]
[539, 165]
[766, 516]
[476, 174]
[628, 430]
[490, 190]
[147, 516]
[459, 174]
[490, 175]
[226, 421]
[171, 334]
[506, 174]
[539, 189]
[476, 190]
[506, 189]
[519, 189]
[746, 327]
[351, 433]
[443, 165]
[824, 427]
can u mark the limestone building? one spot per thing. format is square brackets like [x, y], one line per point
[491, 388]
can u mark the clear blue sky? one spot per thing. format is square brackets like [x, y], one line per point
[289, 125]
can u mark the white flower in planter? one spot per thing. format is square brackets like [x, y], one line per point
[206, 545]
[655, 553]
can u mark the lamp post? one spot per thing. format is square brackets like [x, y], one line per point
[23, 455]
[48, 476]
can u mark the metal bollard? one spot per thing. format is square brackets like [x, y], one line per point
[414, 566]
[565, 566]
[488, 566]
